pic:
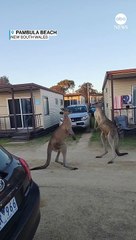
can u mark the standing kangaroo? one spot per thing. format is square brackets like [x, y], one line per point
[109, 133]
[57, 143]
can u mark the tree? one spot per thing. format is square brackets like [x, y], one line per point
[85, 89]
[4, 80]
[67, 84]
[63, 86]
[58, 89]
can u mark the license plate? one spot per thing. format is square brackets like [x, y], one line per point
[7, 212]
[73, 123]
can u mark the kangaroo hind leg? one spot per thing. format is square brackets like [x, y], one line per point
[104, 143]
[57, 158]
[64, 152]
[111, 141]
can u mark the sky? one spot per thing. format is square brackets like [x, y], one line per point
[89, 41]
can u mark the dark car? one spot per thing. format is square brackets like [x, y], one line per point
[19, 199]
[92, 110]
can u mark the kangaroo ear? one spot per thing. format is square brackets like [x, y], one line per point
[62, 111]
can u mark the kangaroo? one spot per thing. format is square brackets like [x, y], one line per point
[57, 144]
[109, 133]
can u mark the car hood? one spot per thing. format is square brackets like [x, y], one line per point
[76, 115]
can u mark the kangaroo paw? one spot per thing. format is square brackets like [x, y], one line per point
[71, 168]
[74, 168]
[110, 162]
[61, 163]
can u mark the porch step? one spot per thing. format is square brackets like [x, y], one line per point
[20, 137]
[25, 135]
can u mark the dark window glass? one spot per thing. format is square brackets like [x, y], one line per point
[17, 106]
[77, 109]
[26, 105]
[5, 158]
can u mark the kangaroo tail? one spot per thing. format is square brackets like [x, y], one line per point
[120, 154]
[39, 167]
[47, 162]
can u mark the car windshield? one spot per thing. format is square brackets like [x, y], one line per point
[5, 158]
[77, 109]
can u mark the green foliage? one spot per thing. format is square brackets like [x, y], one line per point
[4, 80]
[63, 86]
[58, 89]
[66, 84]
[85, 89]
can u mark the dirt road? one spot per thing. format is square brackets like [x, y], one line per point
[95, 202]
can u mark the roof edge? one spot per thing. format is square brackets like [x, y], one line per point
[31, 85]
[112, 73]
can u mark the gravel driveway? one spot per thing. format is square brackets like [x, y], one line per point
[95, 202]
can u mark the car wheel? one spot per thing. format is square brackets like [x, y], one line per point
[88, 129]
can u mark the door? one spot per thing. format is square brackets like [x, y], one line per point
[23, 111]
[134, 102]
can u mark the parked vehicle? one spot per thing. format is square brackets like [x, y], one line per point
[92, 110]
[19, 199]
[79, 116]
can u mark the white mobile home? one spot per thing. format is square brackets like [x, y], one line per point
[28, 107]
[119, 91]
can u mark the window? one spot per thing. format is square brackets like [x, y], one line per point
[66, 103]
[23, 112]
[56, 101]
[45, 105]
[73, 102]
[77, 109]
[61, 102]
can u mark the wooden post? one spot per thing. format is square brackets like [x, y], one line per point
[112, 99]
[32, 102]
[14, 110]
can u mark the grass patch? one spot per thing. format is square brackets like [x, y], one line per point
[31, 142]
[4, 141]
[127, 141]
[92, 122]
[95, 136]
[39, 140]
[43, 139]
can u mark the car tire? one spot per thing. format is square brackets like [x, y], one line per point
[88, 129]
